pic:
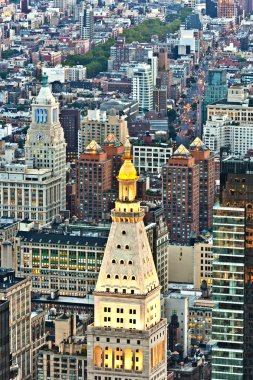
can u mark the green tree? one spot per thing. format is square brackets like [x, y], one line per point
[96, 59]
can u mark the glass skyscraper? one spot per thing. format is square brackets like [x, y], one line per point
[228, 292]
[216, 88]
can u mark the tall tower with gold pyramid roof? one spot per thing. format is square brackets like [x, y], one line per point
[128, 337]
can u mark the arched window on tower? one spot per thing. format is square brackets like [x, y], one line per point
[128, 359]
[98, 356]
[108, 357]
[138, 356]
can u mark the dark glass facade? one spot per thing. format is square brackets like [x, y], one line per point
[4, 341]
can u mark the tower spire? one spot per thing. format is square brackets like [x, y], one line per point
[127, 150]
[44, 81]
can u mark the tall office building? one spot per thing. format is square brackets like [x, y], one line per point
[227, 8]
[128, 336]
[143, 86]
[94, 178]
[216, 88]
[232, 284]
[17, 291]
[45, 146]
[181, 181]
[238, 191]
[87, 22]
[97, 125]
[70, 122]
[206, 161]
[229, 225]
[4, 340]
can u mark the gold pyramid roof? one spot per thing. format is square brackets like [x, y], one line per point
[93, 146]
[181, 151]
[112, 140]
[197, 143]
[127, 171]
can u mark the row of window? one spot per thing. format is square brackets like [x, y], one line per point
[124, 277]
[122, 261]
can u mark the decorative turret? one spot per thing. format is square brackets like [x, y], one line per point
[127, 207]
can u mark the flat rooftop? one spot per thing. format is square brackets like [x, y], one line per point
[8, 278]
[50, 238]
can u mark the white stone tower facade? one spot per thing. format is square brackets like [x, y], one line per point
[45, 144]
[128, 339]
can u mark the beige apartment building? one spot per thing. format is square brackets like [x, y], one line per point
[195, 260]
[32, 194]
[66, 357]
[97, 125]
[238, 106]
[203, 267]
[17, 291]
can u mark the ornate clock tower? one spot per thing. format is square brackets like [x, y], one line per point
[45, 144]
[128, 338]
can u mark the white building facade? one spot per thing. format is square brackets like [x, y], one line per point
[151, 158]
[222, 132]
[142, 86]
[87, 22]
